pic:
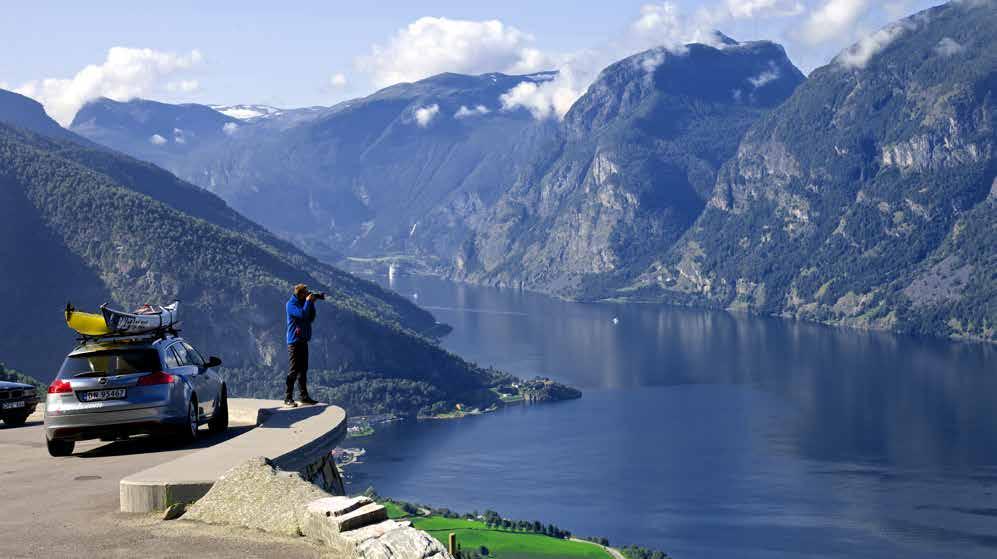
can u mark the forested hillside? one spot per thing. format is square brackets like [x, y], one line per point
[87, 225]
[869, 197]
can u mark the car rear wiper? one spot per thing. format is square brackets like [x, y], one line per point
[91, 374]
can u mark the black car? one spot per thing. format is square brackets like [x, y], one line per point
[17, 402]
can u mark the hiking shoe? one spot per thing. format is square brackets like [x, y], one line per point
[290, 403]
[308, 401]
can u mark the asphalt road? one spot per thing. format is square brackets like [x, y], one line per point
[68, 507]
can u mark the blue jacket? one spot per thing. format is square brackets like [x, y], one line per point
[299, 320]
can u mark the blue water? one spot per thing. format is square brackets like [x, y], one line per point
[706, 434]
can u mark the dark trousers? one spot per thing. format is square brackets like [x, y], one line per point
[297, 370]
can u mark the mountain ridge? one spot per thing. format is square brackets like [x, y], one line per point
[632, 168]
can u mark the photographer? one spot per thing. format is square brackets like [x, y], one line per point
[300, 315]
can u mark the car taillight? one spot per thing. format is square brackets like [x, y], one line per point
[59, 387]
[157, 378]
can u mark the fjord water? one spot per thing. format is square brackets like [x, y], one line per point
[708, 434]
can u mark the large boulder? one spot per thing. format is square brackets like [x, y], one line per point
[257, 495]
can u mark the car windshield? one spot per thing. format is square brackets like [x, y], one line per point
[110, 362]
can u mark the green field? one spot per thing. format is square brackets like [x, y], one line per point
[394, 511]
[504, 544]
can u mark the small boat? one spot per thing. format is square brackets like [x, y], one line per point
[148, 318]
[86, 323]
[145, 319]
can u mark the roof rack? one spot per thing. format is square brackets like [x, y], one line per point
[137, 337]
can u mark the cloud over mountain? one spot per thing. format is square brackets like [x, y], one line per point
[126, 73]
[432, 45]
[833, 19]
[425, 115]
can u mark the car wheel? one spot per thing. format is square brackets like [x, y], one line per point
[219, 422]
[59, 447]
[16, 420]
[187, 432]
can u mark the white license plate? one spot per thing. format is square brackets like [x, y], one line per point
[99, 395]
[13, 405]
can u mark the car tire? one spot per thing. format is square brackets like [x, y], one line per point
[219, 421]
[16, 420]
[187, 432]
[59, 447]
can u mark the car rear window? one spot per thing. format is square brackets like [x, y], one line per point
[110, 362]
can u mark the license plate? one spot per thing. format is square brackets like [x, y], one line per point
[13, 405]
[99, 395]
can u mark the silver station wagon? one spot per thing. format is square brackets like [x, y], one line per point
[112, 388]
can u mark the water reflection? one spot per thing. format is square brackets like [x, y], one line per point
[710, 432]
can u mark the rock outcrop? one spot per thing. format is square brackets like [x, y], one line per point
[257, 495]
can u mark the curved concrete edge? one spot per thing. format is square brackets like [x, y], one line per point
[150, 497]
[295, 440]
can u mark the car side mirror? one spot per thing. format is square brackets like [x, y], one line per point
[213, 362]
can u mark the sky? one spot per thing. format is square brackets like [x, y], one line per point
[65, 53]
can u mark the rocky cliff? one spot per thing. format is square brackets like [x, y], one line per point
[633, 166]
[868, 198]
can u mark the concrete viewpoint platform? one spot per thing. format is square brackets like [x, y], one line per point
[293, 439]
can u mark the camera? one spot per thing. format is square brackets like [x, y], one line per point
[319, 296]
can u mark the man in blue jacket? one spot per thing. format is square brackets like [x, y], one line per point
[300, 315]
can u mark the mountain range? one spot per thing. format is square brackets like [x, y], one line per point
[395, 172]
[92, 225]
[712, 175]
[869, 197]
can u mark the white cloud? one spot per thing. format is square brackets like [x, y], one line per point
[763, 8]
[948, 47]
[183, 86]
[532, 60]
[666, 25]
[337, 80]
[431, 45]
[653, 59]
[425, 115]
[766, 76]
[859, 54]
[125, 74]
[464, 112]
[547, 99]
[179, 136]
[833, 20]
[662, 24]
[157, 139]
[230, 128]
[5, 85]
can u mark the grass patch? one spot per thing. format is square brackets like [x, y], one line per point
[504, 544]
[394, 509]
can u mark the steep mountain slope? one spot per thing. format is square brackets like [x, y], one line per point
[402, 170]
[152, 131]
[88, 225]
[868, 198]
[633, 167]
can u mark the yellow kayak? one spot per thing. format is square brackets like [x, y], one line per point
[85, 323]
